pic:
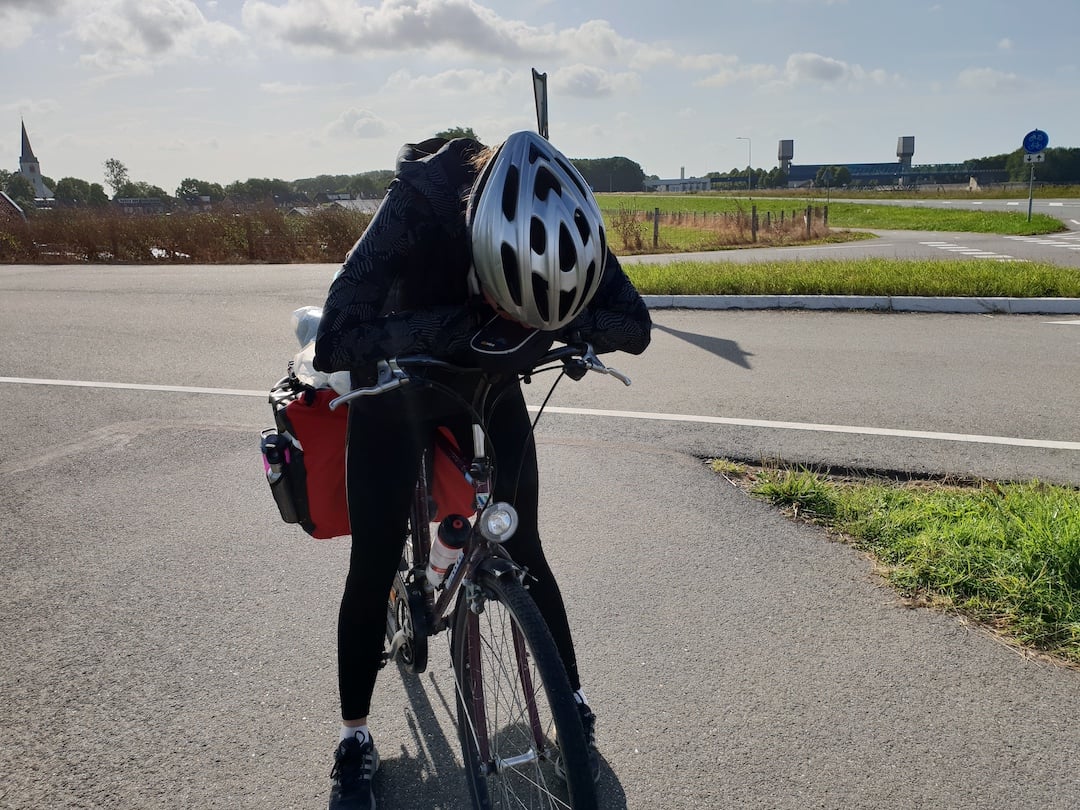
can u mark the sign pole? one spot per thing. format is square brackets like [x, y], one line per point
[541, 97]
[1034, 144]
[1031, 183]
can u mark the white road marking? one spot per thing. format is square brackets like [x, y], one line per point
[1010, 441]
[178, 389]
[973, 252]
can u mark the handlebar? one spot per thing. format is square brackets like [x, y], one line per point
[393, 373]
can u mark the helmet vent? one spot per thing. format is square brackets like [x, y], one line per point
[545, 184]
[582, 225]
[537, 236]
[510, 273]
[540, 296]
[534, 153]
[571, 172]
[567, 254]
[590, 276]
[510, 192]
[566, 302]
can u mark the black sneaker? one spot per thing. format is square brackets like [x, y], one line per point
[355, 764]
[588, 722]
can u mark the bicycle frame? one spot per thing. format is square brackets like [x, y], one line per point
[479, 549]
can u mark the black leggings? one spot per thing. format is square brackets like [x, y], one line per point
[387, 436]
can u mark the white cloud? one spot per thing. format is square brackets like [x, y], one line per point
[18, 18]
[1005, 44]
[354, 123]
[587, 81]
[468, 82]
[753, 74]
[988, 80]
[815, 67]
[135, 35]
[348, 28]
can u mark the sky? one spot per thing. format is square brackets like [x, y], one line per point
[224, 91]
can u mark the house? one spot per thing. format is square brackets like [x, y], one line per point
[10, 211]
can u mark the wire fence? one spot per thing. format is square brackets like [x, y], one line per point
[645, 231]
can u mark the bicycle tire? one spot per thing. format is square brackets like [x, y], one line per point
[508, 737]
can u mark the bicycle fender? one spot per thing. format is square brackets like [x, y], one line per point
[500, 567]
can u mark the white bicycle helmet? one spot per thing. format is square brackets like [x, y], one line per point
[538, 242]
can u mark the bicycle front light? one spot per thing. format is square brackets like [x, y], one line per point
[498, 522]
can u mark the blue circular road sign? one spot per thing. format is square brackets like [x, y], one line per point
[1035, 141]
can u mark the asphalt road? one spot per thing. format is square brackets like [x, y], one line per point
[168, 643]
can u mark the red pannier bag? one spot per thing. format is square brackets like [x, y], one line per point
[304, 458]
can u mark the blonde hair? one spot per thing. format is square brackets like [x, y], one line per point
[480, 159]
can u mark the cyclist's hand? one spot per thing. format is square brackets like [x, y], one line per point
[575, 368]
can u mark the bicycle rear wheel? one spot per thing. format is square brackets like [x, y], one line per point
[516, 710]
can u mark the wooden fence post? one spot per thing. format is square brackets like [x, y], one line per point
[656, 227]
[809, 221]
[753, 223]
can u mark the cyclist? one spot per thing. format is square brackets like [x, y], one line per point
[483, 256]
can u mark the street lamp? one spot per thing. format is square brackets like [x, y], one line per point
[749, 159]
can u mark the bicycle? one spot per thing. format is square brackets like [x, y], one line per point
[517, 718]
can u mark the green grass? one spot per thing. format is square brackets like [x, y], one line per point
[844, 215]
[1006, 555]
[901, 218]
[971, 277]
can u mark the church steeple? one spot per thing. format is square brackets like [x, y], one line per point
[30, 168]
[27, 151]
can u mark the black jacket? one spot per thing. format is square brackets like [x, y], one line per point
[403, 288]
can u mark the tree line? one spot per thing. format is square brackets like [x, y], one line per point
[613, 174]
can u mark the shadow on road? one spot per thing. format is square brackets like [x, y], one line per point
[429, 775]
[722, 347]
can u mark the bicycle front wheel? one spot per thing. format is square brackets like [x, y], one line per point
[516, 711]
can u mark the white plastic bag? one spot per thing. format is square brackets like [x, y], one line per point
[306, 324]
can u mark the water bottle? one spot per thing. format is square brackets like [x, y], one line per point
[274, 451]
[446, 548]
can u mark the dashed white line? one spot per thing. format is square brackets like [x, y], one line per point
[1010, 441]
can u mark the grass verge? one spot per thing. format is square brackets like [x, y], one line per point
[845, 214]
[975, 277]
[1006, 555]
